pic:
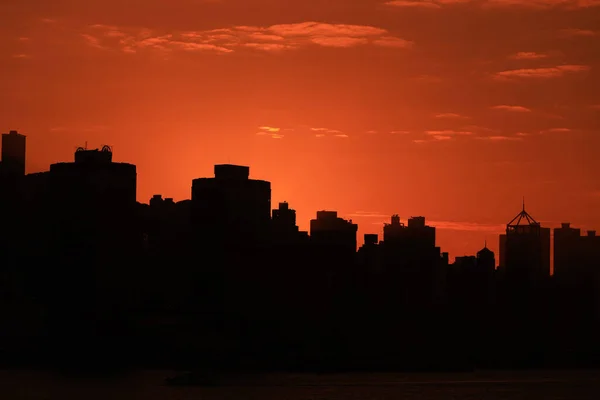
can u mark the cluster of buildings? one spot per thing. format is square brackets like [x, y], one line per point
[226, 251]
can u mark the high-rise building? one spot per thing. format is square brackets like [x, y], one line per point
[527, 251]
[330, 230]
[566, 249]
[13, 154]
[486, 259]
[231, 206]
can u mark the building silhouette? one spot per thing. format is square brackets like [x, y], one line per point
[13, 154]
[231, 207]
[526, 250]
[90, 276]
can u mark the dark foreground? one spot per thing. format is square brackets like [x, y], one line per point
[149, 385]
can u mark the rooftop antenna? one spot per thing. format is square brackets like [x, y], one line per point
[523, 203]
[85, 146]
[485, 244]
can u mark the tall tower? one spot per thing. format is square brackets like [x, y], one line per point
[13, 154]
[527, 249]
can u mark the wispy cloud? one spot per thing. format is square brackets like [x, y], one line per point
[448, 132]
[21, 55]
[528, 55]
[442, 137]
[322, 132]
[499, 138]
[274, 38]
[451, 116]
[368, 214]
[542, 4]
[400, 132]
[379, 218]
[325, 130]
[541, 73]
[391, 41]
[431, 4]
[270, 131]
[519, 109]
[575, 32]
[477, 128]
[93, 41]
[528, 4]
[556, 130]
[467, 226]
[371, 132]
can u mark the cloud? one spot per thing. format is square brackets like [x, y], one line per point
[325, 130]
[322, 132]
[270, 131]
[519, 109]
[367, 214]
[413, 4]
[541, 73]
[541, 4]
[391, 41]
[443, 225]
[477, 128]
[448, 132]
[21, 55]
[451, 116]
[93, 41]
[371, 132]
[575, 32]
[431, 4]
[528, 55]
[467, 226]
[400, 132]
[595, 107]
[274, 38]
[499, 138]
[556, 130]
[530, 4]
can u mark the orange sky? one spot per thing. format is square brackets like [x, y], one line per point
[452, 109]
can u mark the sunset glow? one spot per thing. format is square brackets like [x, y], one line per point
[450, 109]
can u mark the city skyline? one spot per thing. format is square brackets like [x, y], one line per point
[226, 266]
[419, 116]
[16, 150]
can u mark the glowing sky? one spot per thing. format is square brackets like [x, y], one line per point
[452, 109]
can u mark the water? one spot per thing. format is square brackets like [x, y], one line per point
[148, 385]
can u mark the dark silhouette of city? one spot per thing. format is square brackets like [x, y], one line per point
[223, 281]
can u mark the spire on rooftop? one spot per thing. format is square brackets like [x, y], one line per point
[523, 218]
